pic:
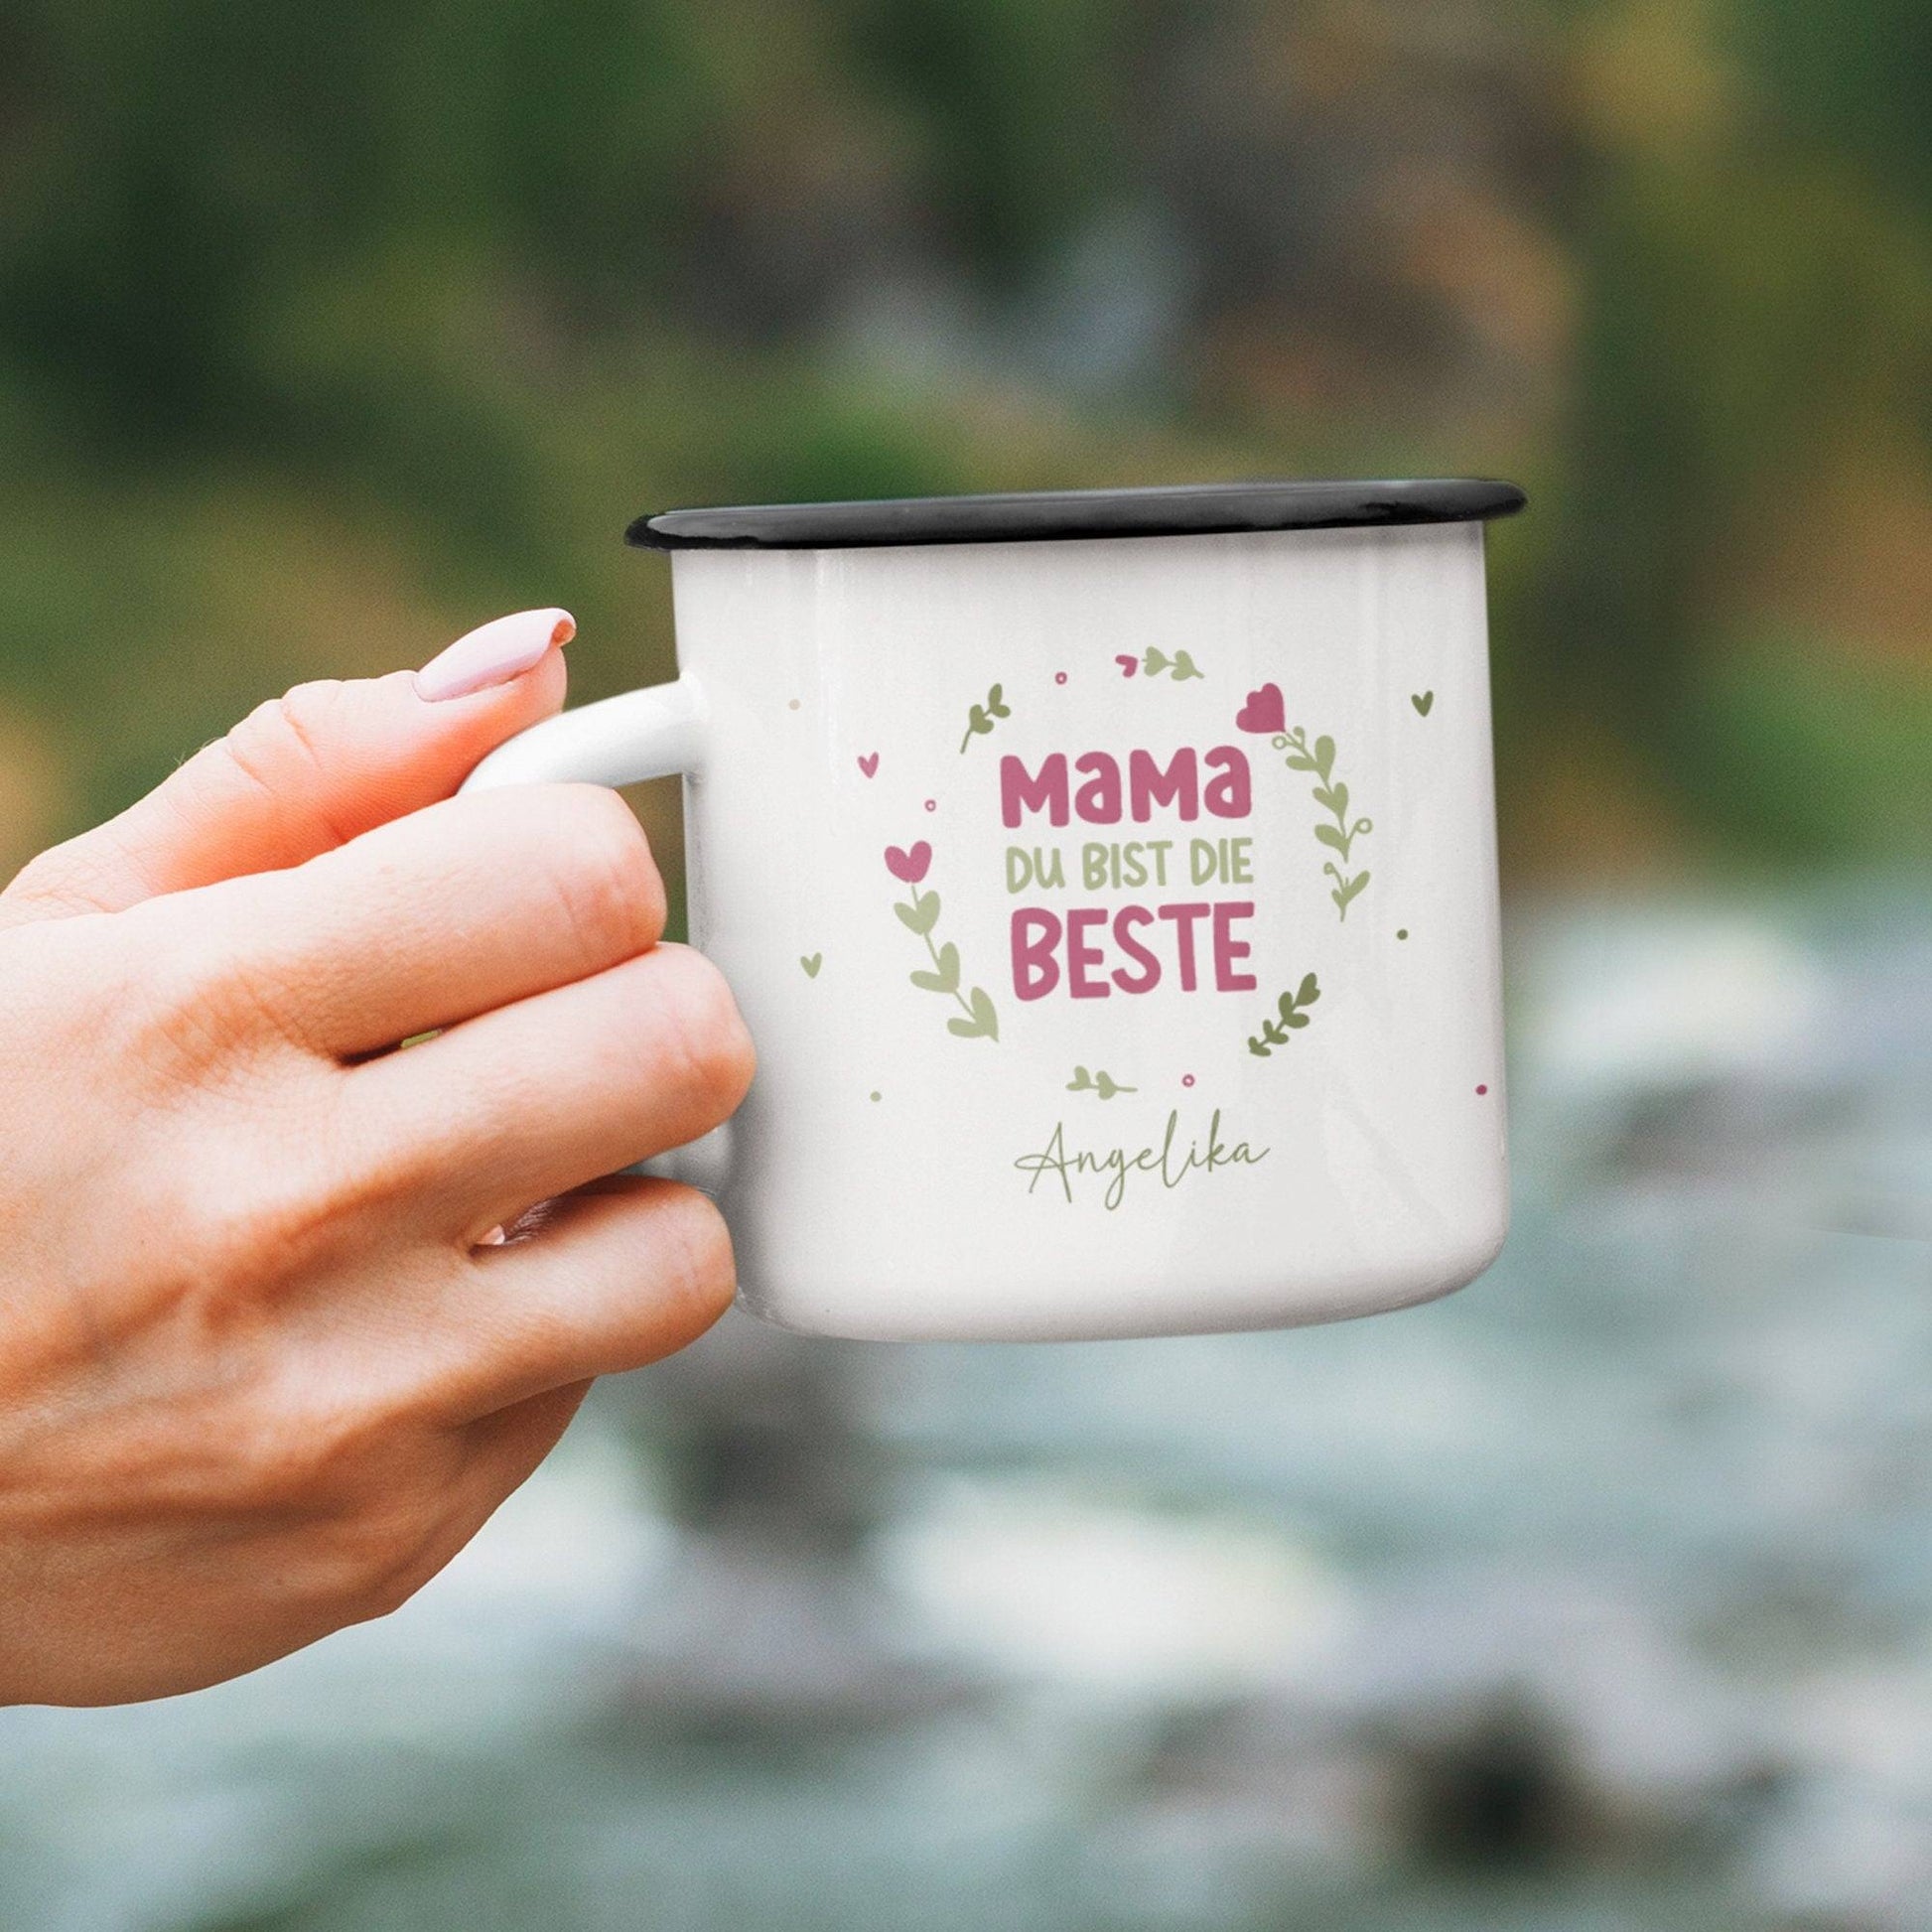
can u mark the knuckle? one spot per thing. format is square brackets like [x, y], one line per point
[274, 1450]
[706, 1033]
[395, 1555]
[605, 875]
[199, 999]
[394, 1585]
[210, 984]
[292, 1458]
[187, 968]
[223, 1000]
[280, 748]
[363, 1493]
[389, 1550]
[291, 729]
[240, 1223]
[77, 876]
[365, 1562]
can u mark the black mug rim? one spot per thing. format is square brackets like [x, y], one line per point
[1058, 515]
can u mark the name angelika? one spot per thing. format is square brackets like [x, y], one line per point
[1168, 1160]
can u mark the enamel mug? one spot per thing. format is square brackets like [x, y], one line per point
[1108, 880]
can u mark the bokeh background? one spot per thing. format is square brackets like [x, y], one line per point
[1599, 1595]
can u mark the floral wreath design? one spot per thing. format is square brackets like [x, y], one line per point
[1266, 712]
[977, 1018]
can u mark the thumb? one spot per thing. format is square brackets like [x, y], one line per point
[309, 772]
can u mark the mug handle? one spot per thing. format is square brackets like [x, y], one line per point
[656, 733]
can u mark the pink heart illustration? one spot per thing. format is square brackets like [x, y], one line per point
[909, 865]
[869, 764]
[1128, 665]
[1263, 711]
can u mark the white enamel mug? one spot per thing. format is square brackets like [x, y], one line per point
[1108, 880]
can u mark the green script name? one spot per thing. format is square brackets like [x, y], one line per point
[1171, 1163]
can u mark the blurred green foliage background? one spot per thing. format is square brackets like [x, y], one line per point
[327, 332]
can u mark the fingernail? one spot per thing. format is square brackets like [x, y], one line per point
[494, 653]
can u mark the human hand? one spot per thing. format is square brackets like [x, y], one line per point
[265, 1365]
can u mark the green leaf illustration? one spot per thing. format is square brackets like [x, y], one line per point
[1292, 1021]
[1333, 798]
[984, 1023]
[1154, 663]
[1080, 1082]
[1348, 890]
[921, 916]
[979, 717]
[945, 976]
[1184, 667]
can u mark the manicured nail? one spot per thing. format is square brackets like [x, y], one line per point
[494, 653]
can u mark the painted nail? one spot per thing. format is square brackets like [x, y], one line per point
[494, 653]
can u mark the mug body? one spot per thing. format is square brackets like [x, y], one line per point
[1116, 919]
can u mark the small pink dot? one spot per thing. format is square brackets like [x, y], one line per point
[1059, 677]
[1482, 1089]
[1187, 1079]
[932, 804]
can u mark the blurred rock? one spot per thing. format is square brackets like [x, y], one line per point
[1510, 1720]
[768, 1624]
